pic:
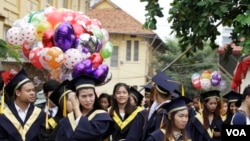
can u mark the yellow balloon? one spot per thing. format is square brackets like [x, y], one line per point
[40, 28]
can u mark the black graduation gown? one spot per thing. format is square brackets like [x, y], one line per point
[199, 133]
[122, 127]
[12, 127]
[239, 118]
[50, 134]
[93, 127]
[157, 120]
[157, 135]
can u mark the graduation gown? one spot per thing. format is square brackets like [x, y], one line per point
[129, 127]
[157, 120]
[240, 118]
[199, 133]
[50, 134]
[93, 127]
[12, 128]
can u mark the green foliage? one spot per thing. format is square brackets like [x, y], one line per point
[195, 22]
[9, 51]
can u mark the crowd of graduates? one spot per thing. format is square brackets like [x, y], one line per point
[74, 112]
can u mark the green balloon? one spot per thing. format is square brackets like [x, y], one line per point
[97, 32]
[107, 50]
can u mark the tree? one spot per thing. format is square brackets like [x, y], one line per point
[8, 50]
[195, 22]
[183, 69]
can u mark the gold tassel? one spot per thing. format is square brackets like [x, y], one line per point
[64, 106]
[2, 103]
[182, 90]
[47, 117]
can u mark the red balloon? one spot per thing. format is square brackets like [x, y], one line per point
[54, 18]
[26, 51]
[48, 38]
[34, 57]
[96, 59]
[196, 82]
[96, 23]
[78, 30]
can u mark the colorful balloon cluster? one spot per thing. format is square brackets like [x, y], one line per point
[55, 39]
[207, 79]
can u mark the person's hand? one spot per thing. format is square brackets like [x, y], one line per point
[75, 103]
[216, 134]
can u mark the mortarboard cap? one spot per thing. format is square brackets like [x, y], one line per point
[177, 104]
[19, 79]
[57, 95]
[83, 81]
[50, 85]
[164, 84]
[137, 95]
[232, 96]
[147, 87]
[210, 94]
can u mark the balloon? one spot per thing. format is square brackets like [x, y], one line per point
[95, 23]
[42, 59]
[68, 16]
[26, 51]
[54, 18]
[78, 30]
[96, 59]
[195, 75]
[41, 28]
[206, 74]
[64, 36]
[14, 37]
[205, 83]
[28, 32]
[48, 38]
[222, 86]
[34, 57]
[84, 39]
[196, 82]
[54, 57]
[83, 67]
[215, 78]
[108, 78]
[97, 32]
[107, 50]
[18, 23]
[71, 57]
[101, 72]
[83, 20]
[37, 18]
[105, 36]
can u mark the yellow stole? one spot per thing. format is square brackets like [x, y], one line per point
[223, 117]
[22, 129]
[209, 130]
[90, 117]
[52, 122]
[123, 124]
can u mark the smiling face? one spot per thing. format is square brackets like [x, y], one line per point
[87, 98]
[121, 95]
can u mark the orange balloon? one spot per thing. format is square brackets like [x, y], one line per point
[54, 57]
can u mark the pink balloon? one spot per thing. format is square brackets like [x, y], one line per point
[34, 57]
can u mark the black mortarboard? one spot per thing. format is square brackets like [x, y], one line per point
[137, 94]
[83, 81]
[164, 84]
[177, 104]
[50, 85]
[210, 94]
[57, 95]
[147, 87]
[232, 96]
[19, 79]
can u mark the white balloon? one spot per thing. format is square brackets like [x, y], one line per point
[72, 56]
[205, 83]
[14, 36]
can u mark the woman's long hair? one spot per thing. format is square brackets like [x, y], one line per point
[169, 127]
[205, 113]
[114, 105]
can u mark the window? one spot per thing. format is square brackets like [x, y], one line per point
[114, 57]
[136, 50]
[226, 40]
[128, 51]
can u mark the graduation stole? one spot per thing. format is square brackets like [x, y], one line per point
[52, 122]
[209, 130]
[123, 124]
[22, 129]
[71, 117]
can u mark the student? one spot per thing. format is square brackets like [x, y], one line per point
[177, 120]
[207, 125]
[224, 108]
[127, 122]
[241, 116]
[105, 101]
[21, 120]
[163, 89]
[88, 121]
[232, 97]
[59, 97]
[136, 97]
[148, 100]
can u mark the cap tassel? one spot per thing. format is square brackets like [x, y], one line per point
[182, 90]
[64, 106]
[199, 102]
[47, 117]
[2, 103]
